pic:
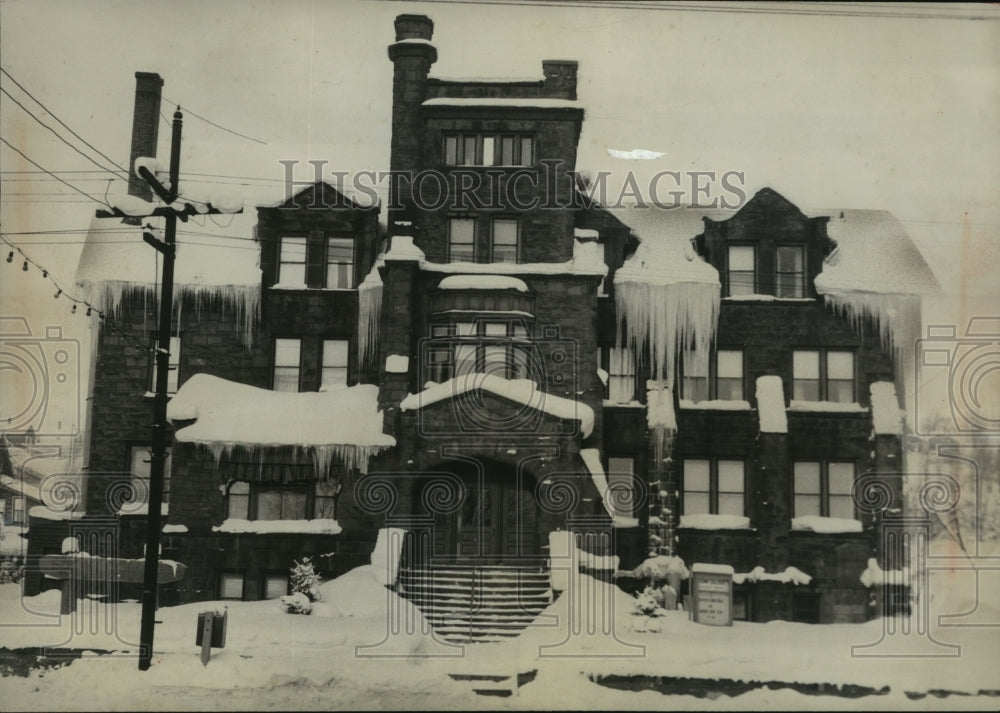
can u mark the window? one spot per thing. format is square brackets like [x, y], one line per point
[275, 586]
[461, 240]
[140, 466]
[621, 374]
[505, 241]
[714, 487]
[621, 475]
[238, 502]
[231, 585]
[173, 369]
[790, 278]
[488, 347]
[287, 353]
[488, 150]
[742, 270]
[823, 376]
[292, 262]
[707, 377]
[340, 263]
[334, 370]
[18, 514]
[823, 488]
[271, 501]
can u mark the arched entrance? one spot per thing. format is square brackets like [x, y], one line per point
[492, 518]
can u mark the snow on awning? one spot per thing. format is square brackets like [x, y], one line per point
[521, 391]
[344, 423]
[482, 282]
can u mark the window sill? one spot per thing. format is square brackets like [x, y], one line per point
[826, 407]
[767, 298]
[278, 527]
[305, 288]
[152, 394]
[608, 403]
[714, 522]
[715, 405]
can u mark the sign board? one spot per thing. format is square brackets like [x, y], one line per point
[712, 594]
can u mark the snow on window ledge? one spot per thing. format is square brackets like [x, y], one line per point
[791, 575]
[320, 526]
[174, 529]
[826, 407]
[714, 522]
[715, 405]
[765, 298]
[397, 364]
[826, 525]
[608, 403]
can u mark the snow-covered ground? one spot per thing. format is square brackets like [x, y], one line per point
[344, 657]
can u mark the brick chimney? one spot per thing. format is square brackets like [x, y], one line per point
[560, 78]
[145, 128]
[412, 55]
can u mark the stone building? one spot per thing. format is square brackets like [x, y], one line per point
[510, 378]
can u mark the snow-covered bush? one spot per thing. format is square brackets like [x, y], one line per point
[11, 570]
[649, 602]
[297, 603]
[305, 579]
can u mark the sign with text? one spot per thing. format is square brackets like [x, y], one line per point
[712, 594]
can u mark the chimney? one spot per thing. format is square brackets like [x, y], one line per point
[412, 55]
[560, 78]
[145, 128]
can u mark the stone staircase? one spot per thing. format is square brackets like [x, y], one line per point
[477, 603]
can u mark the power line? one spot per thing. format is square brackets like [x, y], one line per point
[92, 310]
[86, 143]
[56, 133]
[212, 123]
[33, 163]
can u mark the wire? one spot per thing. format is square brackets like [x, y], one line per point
[78, 190]
[86, 143]
[212, 123]
[61, 292]
[57, 134]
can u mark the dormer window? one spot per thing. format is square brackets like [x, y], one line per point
[292, 267]
[488, 150]
[340, 263]
[790, 277]
[742, 270]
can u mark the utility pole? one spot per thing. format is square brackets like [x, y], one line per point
[159, 453]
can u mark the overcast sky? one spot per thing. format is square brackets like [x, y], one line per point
[850, 110]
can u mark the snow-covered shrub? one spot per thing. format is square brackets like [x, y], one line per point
[305, 580]
[297, 603]
[649, 602]
[11, 570]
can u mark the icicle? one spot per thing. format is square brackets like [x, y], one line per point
[666, 318]
[240, 302]
[351, 457]
[369, 314]
[896, 316]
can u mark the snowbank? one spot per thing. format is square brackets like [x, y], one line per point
[319, 526]
[715, 522]
[386, 555]
[482, 282]
[344, 423]
[521, 391]
[887, 417]
[826, 525]
[771, 405]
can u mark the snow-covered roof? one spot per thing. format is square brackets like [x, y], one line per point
[344, 423]
[482, 282]
[665, 254]
[873, 254]
[521, 391]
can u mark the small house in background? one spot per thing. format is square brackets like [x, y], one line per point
[699, 385]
